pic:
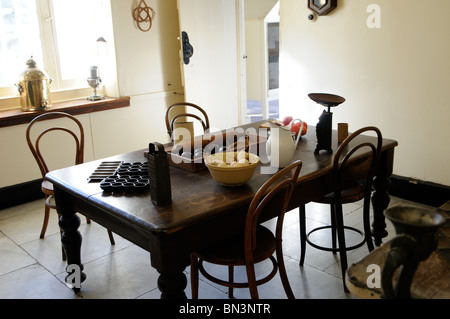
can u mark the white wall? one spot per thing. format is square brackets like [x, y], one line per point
[148, 71]
[147, 61]
[17, 164]
[395, 77]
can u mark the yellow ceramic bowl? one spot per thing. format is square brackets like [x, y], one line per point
[231, 174]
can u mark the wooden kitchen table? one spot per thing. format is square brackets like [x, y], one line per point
[202, 211]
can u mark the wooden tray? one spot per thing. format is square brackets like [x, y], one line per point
[194, 165]
[185, 163]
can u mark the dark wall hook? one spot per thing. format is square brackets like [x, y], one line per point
[188, 49]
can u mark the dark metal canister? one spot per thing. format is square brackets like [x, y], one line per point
[159, 173]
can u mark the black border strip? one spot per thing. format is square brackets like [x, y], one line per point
[20, 194]
[422, 192]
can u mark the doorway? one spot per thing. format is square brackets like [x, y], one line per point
[215, 51]
[262, 45]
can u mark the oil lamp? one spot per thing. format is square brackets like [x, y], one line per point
[95, 82]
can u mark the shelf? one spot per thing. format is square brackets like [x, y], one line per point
[74, 107]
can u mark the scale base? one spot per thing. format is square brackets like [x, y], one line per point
[324, 132]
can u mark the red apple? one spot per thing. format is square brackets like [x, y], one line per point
[287, 120]
[305, 128]
[296, 128]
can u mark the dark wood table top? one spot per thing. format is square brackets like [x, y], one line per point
[195, 196]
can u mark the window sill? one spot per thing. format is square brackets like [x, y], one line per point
[75, 107]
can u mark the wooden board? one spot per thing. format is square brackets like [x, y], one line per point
[229, 138]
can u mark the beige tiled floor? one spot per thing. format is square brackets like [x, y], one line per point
[32, 268]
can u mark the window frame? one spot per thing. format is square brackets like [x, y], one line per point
[60, 90]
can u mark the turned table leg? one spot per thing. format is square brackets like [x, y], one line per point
[172, 285]
[71, 239]
[380, 197]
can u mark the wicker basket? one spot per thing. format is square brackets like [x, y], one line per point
[231, 176]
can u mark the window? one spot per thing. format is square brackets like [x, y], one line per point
[273, 44]
[273, 47]
[61, 35]
[19, 33]
[77, 46]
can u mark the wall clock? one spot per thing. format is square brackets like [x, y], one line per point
[322, 7]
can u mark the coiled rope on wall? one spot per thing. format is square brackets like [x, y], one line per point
[143, 14]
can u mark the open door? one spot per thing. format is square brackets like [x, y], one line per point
[262, 39]
[211, 76]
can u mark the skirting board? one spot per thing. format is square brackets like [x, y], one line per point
[417, 191]
[427, 193]
[20, 194]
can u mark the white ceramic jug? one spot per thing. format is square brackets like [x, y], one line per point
[280, 146]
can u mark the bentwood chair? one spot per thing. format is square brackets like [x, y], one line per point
[188, 110]
[35, 147]
[256, 244]
[344, 194]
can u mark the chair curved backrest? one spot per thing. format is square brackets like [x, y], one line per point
[349, 150]
[262, 198]
[170, 121]
[34, 144]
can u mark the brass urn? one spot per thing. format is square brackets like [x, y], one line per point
[34, 88]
